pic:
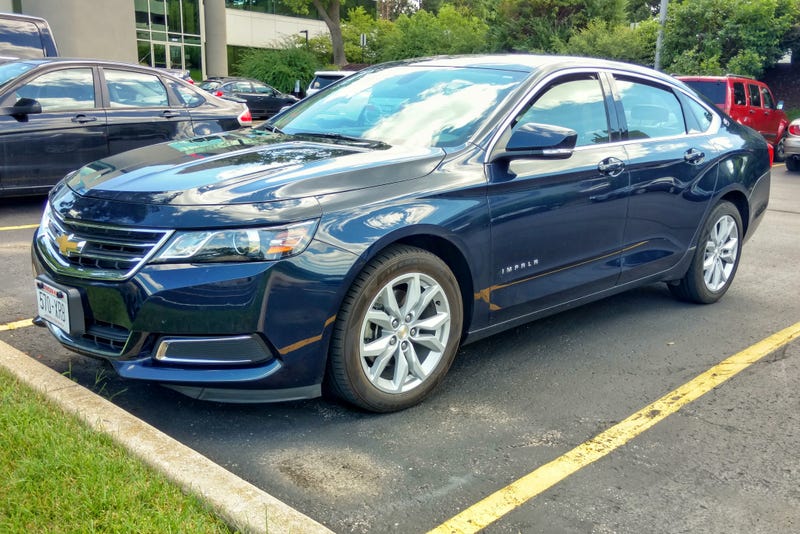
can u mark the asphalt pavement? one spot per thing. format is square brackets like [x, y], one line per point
[554, 393]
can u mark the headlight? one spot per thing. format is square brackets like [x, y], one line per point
[241, 244]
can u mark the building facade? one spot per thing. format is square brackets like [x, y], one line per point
[179, 34]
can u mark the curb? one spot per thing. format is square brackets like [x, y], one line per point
[242, 505]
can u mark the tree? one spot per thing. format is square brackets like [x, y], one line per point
[451, 31]
[544, 25]
[623, 42]
[329, 11]
[717, 36]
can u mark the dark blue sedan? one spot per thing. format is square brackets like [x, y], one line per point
[358, 238]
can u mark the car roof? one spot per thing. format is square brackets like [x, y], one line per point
[82, 61]
[532, 63]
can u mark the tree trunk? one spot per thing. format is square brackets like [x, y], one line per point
[331, 18]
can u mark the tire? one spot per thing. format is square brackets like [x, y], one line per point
[716, 257]
[792, 164]
[397, 331]
[780, 150]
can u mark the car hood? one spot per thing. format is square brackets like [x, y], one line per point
[246, 167]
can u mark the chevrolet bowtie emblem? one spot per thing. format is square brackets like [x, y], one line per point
[68, 245]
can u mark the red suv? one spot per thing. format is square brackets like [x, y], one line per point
[748, 102]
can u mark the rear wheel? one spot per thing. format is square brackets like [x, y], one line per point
[716, 258]
[397, 331]
[792, 164]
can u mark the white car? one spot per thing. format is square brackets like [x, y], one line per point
[323, 78]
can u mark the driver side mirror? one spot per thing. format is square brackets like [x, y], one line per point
[23, 107]
[534, 140]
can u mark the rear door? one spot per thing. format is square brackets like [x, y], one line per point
[39, 149]
[141, 111]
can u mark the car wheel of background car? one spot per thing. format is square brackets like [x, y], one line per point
[716, 258]
[792, 164]
[397, 331]
[780, 152]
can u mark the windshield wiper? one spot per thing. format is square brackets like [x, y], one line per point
[345, 138]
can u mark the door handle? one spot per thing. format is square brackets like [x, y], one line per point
[168, 114]
[694, 156]
[611, 167]
[82, 119]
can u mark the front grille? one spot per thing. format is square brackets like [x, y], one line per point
[100, 252]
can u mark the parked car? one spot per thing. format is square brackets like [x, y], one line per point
[792, 146]
[59, 114]
[262, 100]
[24, 36]
[323, 78]
[183, 74]
[747, 101]
[361, 236]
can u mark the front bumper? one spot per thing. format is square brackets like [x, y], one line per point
[228, 332]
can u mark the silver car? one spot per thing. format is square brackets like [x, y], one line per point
[791, 146]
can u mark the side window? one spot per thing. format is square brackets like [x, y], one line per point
[186, 96]
[650, 110]
[135, 89]
[739, 96]
[698, 118]
[766, 97]
[263, 89]
[755, 95]
[577, 104]
[61, 90]
[242, 87]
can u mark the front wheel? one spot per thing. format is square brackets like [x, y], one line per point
[716, 258]
[780, 150]
[397, 331]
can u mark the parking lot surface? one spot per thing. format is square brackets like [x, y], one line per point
[725, 462]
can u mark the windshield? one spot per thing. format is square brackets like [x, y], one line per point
[11, 71]
[404, 105]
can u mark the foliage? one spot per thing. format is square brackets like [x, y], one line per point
[279, 68]
[622, 42]
[712, 36]
[544, 25]
[451, 31]
[377, 31]
[701, 36]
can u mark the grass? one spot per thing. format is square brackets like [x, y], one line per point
[792, 113]
[56, 475]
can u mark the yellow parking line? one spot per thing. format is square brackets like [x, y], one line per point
[16, 324]
[517, 493]
[22, 227]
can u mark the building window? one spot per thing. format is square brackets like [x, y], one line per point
[168, 34]
[277, 7]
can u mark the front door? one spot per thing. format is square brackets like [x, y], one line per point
[557, 224]
[39, 149]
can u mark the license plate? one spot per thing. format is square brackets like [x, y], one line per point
[52, 304]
